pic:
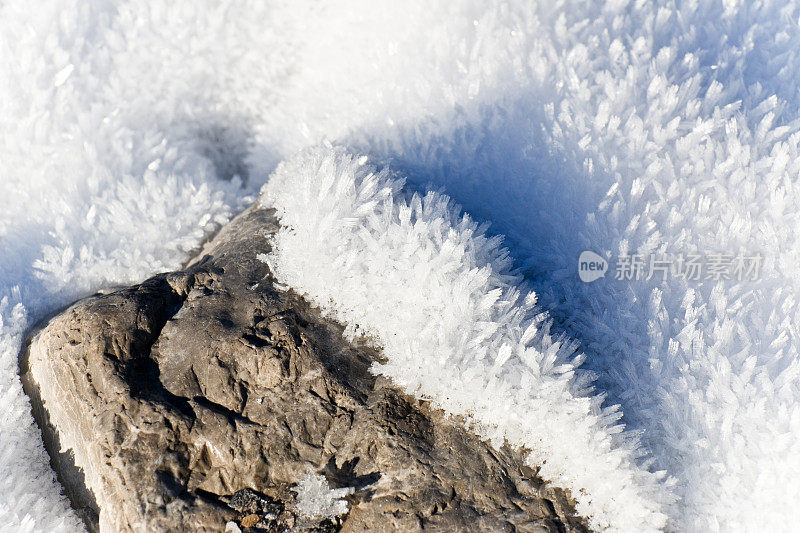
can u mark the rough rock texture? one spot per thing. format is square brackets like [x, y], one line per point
[201, 397]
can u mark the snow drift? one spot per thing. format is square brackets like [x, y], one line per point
[130, 130]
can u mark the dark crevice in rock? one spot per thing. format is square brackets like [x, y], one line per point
[255, 341]
[143, 375]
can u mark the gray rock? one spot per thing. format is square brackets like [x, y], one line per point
[198, 399]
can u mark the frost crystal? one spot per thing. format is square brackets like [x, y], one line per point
[315, 498]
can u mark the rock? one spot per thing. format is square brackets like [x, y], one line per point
[250, 520]
[198, 399]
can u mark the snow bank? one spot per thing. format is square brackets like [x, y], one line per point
[569, 125]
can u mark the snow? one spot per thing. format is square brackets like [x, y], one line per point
[315, 498]
[570, 126]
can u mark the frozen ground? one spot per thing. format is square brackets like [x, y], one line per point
[129, 131]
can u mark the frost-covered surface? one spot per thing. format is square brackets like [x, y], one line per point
[442, 300]
[317, 500]
[569, 125]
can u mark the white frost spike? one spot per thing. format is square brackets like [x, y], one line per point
[63, 75]
[315, 498]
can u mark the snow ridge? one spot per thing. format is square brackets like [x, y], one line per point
[456, 323]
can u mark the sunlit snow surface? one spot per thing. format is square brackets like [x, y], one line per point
[569, 126]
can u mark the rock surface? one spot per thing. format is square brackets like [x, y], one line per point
[197, 400]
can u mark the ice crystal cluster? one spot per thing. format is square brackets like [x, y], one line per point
[317, 500]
